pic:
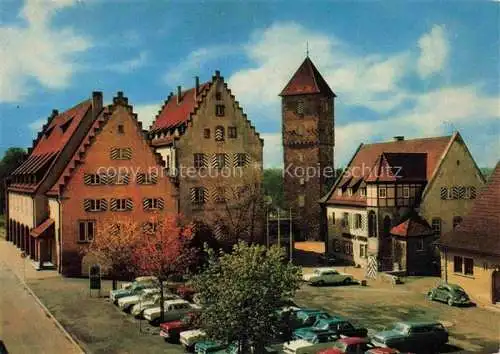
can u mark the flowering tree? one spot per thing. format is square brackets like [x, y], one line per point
[165, 251]
[113, 246]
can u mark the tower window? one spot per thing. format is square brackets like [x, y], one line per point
[206, 133]
[300, 107]
[121, 129]
[219, 110]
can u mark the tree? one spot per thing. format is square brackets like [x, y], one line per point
[113, 246]
[243, 292]
[273, 186]
[12, 158]
[165, 251]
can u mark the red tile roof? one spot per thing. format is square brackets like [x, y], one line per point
[479, 230]
[306, 80]
[173, 114]
[392, 167]
[412, 227]
[42, 229]
[405, 153]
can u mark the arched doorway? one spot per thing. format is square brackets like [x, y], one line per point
[495, 288]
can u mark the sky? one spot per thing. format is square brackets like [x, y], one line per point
[415, 68]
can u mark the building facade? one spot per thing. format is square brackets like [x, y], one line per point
[470, 254]
[385, 183]
[112, 174]
[214, 154]
[307, 105]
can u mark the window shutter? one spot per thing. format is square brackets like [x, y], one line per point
[146, 204]
[115, 153]
[129, 204]
[104, 178]
[104, 205]
[87, 178]
[86, 204]
[113, 204]
[472, 192]
[193, 195]
[461, 192]
[213, 161]
[140, 178]
[161, 203]
[444, 193]
[154, 178]
[127, 153]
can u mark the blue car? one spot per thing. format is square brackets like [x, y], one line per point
[307, 317]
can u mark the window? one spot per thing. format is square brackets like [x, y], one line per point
[420, 244]
[218, 95]
[199, 160]
[333, 218]
[357, 221]
[349, 192]
[86, 230]
[219, 133]
[206, 133]
[456, 221]
[241, 159]
[301, 201]
[66, 125]
[455, 192]
[152, 203]
[363, 250]
[219, 110]
[345, 219]
[348, 248]
[470, 192]
[198, 195]
[147, 178]
[406, 192]
[124, 204]
[220, 161]
[372, 224]
[362, 192]
[232, 132]
[436, 226]
[95, 204]
[444, 193]
[121, 129]
[468, 266]
[220, 195]
[149, 227]
[300, 107]
[121, 153]
[457, 264]
[94, 179]
[382, 192]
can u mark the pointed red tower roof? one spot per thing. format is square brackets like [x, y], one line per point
[307, 80]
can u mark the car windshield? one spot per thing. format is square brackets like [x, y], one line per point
[321, 324]
[399, 327]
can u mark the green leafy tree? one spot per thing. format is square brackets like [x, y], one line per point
[243, 292]
[273, 186]
[12, 158]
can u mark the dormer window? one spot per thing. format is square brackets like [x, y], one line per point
[66, 125]
[382, 192]
[362, 191]
[48, 131]
[339, 192]
[349, 192]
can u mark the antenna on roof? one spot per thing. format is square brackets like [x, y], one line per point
[307, 49]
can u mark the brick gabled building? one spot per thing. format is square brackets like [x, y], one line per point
[308, 137]
[384, 184]
[215, 154]
[110, 171]
[470, 254]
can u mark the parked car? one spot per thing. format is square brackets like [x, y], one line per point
[327, 276]
[126, 303]
[170, 331]
[379, 350]
[186, 292]
[307, 317]
[146, 279]
[351, 345]
[409, 336]
[310, 343]
[151, 300]
[209, 346]
[334, 324]
[134, 289]
[191, 337]
[450, 293]
[173, 310]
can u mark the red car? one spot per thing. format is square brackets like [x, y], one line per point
[350, 345]
[170, 331]
[382, 351]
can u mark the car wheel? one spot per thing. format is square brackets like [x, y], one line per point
[450, 301]
[347, 281]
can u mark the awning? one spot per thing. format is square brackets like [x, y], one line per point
[43, 230]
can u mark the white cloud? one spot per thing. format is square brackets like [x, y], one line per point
[130, 65]
[273, 150]
[37, 51]
[189, 66]
[37, 125]
[146, 113]
[434, 50]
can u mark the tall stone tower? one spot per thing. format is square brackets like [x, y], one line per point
[308, 141]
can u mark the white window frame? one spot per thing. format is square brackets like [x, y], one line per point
[86, 231]
[380, 189]
[95, 205]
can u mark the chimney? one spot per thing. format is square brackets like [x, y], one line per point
[217, 73]
[179, 98]
[399, 138]
[196, 86]
[96, 103]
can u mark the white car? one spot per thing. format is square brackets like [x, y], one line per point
[189, 338]
[151, 301]
[173, 310]
[310, 345]
[147, 279]
[324, 276]
[125, 303]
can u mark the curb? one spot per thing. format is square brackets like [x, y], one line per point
[47, 312]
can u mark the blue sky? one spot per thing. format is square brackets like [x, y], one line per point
[398, 68]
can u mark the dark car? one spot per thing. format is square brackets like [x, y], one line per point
[413, 336]
[334, 324]
[450, 293]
